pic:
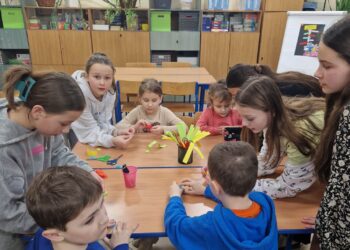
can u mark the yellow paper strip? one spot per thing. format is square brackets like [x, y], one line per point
[188, 153]
[199, 152]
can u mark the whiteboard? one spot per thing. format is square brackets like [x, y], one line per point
[303, 30]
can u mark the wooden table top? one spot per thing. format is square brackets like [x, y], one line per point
[161, 71]
[145, 203]
[135, 154]
[195, 74]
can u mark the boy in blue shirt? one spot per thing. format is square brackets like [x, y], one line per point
[241, 220]
[68, 204]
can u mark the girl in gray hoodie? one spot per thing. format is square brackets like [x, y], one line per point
[94, 125]
[31, 140]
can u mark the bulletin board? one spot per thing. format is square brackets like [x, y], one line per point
[301, 39]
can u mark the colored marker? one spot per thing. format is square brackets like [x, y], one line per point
[125, 169]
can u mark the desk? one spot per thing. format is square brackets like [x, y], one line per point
[193, 74]
[119, 71]
[135, 153]
[145, 203]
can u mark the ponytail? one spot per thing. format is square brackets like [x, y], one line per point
[56, 92]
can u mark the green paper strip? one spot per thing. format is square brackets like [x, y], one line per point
[151, 144]
[181, 128]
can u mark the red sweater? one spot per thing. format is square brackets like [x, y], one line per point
[211, 121]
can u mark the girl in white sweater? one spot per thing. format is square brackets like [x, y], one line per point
[94, 125]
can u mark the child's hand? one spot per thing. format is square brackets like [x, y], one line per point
[140, 124]
[309, 222]
[120, 235]
[126, 131]
[194, 187]
[221, 130]
[175, 190]
[158, 130]
[122, 141]
[204, 172]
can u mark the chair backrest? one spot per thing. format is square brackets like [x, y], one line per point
[2, 94]
[196, 117]
[140, 65]
[176, 65]
[189, 120]
[128, 88]
[179, 88]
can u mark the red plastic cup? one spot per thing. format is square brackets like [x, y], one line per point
[130, 178]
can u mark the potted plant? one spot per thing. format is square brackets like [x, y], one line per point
[118, 9]
[343, 5]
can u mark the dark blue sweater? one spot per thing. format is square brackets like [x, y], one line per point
[38, 242]
[221, 228]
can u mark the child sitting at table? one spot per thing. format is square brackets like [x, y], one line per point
[68, 204]
[220, 113]
[150, 116]
[241, 220]
[94, 125]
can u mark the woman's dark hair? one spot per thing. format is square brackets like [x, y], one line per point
[290, 83]
[337, 37]
[56, 92]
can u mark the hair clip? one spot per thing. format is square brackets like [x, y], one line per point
[24, 87]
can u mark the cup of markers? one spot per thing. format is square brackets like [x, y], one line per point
[129, 173]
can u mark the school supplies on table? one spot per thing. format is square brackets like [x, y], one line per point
[114, 161]
[129, 173]
[186, 142]
[152, 144]
[103, 158]
[101, 173]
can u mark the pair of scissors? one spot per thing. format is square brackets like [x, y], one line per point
[114, 161]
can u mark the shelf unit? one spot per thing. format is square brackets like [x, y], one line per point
[180, 37]
[177, 36]
[13, 39]
[274, 23]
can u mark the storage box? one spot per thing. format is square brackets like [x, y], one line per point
[161, 21]
[191, 60]
[188, 21]
[159, 58]
[162, 4]
[12, 18]
[100, 27]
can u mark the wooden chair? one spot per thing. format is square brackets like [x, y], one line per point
[196, 117]
[189, 120]
[176, 65]
[181, 89]
[127, 92]
[2, 94]
[140, 65]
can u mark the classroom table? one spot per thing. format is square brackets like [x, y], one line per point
[192, 74]
[145, 203]
[160, 71]
[135, 154]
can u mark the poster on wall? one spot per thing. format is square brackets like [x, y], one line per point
[309, 39]
[301, 39]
